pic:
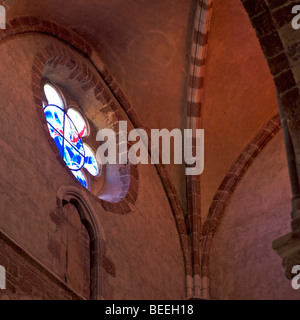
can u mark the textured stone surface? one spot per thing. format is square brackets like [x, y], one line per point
[144, 46]
[27, 279]
[239, 95]
[143, 246]
[146, 49]
[243, 264]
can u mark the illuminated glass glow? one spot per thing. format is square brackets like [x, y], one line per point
[91, 164]
[78, 122]
[53, 97]
[81, 178]
[66, 137]
[67, 130]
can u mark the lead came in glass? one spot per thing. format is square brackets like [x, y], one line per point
[55, 117]
[73, 158]
[72, 135]
[91, 164]
[67, 128]
[58, 139]
[78, 122]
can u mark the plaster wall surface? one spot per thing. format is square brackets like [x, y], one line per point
[144, 44]
[243, 264]
[239, 93]
[143, 245]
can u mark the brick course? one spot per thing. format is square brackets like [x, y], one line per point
[26, 278]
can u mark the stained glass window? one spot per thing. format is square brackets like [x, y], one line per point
[67, 127]
[53, 97]
[81, 178]
[78, 122]
[91, 164]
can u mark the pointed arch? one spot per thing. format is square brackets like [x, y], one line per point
[75, 196]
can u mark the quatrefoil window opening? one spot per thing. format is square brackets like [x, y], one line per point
[69, 130]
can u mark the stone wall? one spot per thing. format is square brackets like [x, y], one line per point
[27, 279]
[243, 264]
[140, 252]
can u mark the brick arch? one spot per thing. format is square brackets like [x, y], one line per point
[56, 55]
[194, 108]
[99, 262]
[23, 25]
[269, 19]
[227, 188]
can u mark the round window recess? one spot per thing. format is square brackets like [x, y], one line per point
[68, 129]
[53, 96]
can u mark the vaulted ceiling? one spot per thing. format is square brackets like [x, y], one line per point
[146, 46]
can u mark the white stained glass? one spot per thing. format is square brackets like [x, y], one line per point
[91, 163]
[79, 122]
[53, 97]
[81, 178]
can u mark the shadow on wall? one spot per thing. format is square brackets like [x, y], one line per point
[243, 264]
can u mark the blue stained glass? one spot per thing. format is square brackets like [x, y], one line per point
[58, 139]
[90, 161]
[73, 158]
[78, 121]
[63, 130]
[66, 137]
[72, 136]
[55, 117]
[81, 178]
